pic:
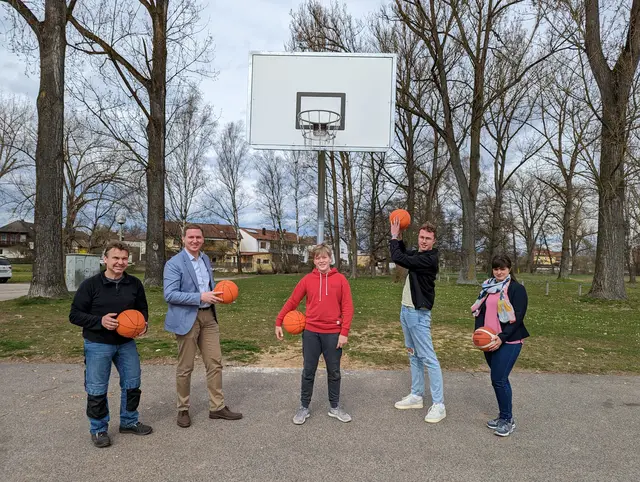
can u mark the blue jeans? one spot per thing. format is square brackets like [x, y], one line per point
[501, 362]
[98, 358]
[416, 326]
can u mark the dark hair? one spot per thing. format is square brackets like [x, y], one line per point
[116, 245]
[192, 226]
[429, 228]
[502, 261]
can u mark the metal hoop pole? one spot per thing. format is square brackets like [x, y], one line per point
[322, 179]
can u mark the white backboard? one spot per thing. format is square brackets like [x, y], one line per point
[359, 87]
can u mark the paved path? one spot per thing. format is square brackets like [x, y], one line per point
[570, 428]
[9, 291]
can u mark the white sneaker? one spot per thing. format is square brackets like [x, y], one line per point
[436, 413]
[410, 401]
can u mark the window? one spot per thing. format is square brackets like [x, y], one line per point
[3, 237]
[265, 261]
[263, 245]
[23, 238]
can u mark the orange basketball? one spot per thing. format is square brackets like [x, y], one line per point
[130, 323]
[482, 337]
[294, 322]
[228, 291]
[403, 216]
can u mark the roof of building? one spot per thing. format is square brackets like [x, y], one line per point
[264, 234]
[210, 231]
[21, 226]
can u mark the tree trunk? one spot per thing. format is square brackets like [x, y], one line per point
[530, 248]
[495, 228]
[336, 220]
[615, 88]
[566, 233]
[353, 235]
[608, 279]
[632, 267]
[236, 227]
[156, 132]
[48, 268]
[432, 191]
[345, 205]
[372, 215]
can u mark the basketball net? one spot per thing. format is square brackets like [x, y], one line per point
[319, 127]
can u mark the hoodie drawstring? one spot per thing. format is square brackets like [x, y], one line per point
[326, 286]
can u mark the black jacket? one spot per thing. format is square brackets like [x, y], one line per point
[519, 300]
[98, 296]
[423, 267]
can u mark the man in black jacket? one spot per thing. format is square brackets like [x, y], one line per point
[415, 317]
[95, 308]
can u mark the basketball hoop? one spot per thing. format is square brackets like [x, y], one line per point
[318, 127]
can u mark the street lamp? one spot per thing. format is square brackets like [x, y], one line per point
[121, 218]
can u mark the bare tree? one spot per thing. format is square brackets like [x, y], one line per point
[189, 140]
[50, 33]
[566, 124]
[531, 201]
[272, 188]
[299, 186]
[17, 135]
[461, 38]
[615, 88]
[507, 122]
[318, 28]
[92, 166]
[147, 47]
[315, 27]
[611, 42]
[335, 234]
[228, 198]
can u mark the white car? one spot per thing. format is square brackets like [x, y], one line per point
[5, 270]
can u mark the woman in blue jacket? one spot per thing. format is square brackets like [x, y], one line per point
[501, 306]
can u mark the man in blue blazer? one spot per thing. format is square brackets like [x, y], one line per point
[188, 289]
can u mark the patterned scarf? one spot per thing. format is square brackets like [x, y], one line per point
[505, 310]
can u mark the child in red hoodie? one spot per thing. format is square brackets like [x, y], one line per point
[329, 312]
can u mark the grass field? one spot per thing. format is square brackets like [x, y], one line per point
[21, 273]
[570, 333]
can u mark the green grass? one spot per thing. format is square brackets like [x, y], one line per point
[21, 273]
[570, 333]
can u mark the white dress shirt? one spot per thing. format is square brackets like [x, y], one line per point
[201, 274]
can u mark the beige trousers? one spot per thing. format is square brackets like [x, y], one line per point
[204, 335]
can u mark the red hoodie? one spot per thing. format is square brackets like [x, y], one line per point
[329, 303]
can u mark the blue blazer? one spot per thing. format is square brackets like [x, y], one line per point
[182, 292]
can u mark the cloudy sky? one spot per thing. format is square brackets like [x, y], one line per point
[238, 27]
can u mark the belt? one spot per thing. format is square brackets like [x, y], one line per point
[204, 309]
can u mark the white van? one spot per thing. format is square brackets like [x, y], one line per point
[5, 270]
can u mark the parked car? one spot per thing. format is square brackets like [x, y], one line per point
[5, 270]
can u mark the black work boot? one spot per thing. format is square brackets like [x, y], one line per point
[101, 439]
[138, 429]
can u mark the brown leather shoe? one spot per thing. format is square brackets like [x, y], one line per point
[184, 420]
[225, 414]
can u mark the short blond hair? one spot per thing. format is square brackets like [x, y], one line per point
[320, 249]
